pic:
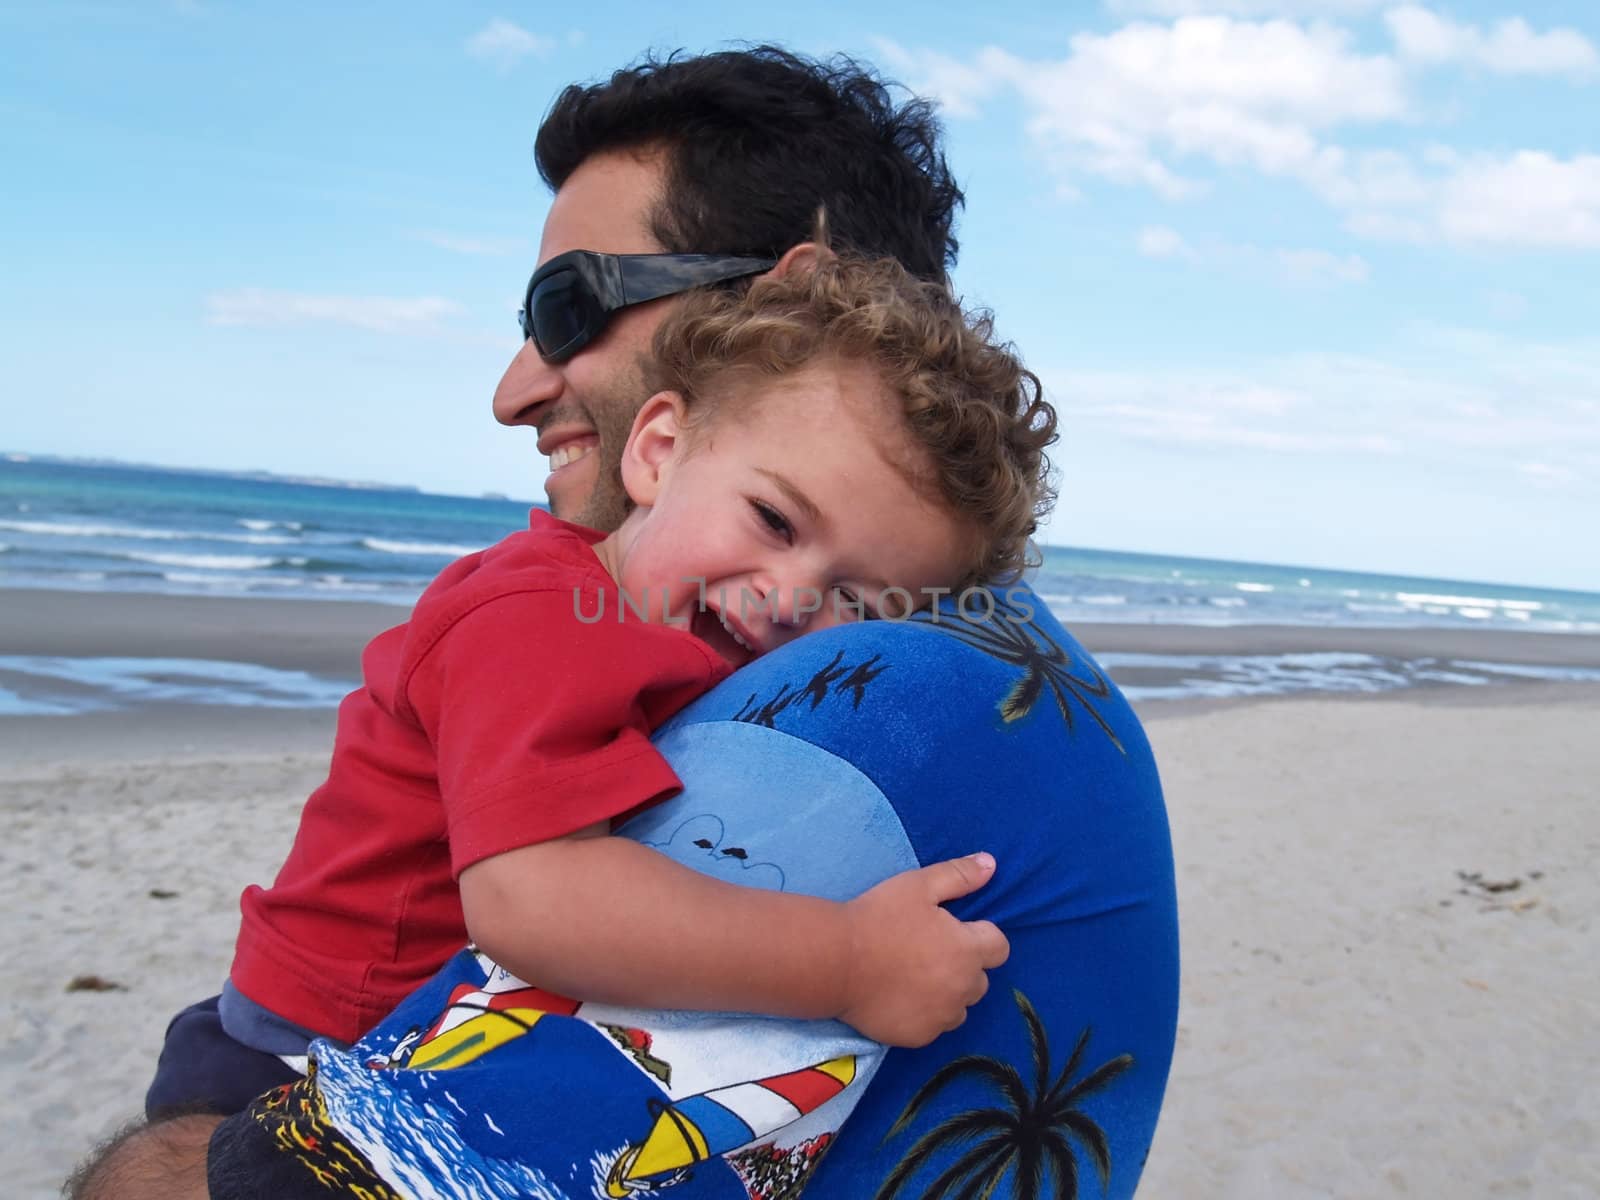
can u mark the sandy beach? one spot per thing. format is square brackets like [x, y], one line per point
[1388, 903]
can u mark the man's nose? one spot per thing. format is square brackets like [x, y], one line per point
[528, 384]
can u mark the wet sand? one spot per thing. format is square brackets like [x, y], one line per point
[325, 637]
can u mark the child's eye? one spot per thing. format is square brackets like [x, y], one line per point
[774, 520]
[851, 606]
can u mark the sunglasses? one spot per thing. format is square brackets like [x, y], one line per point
[571, 298]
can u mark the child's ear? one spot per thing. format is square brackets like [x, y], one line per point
[650, 452]
[801, 257]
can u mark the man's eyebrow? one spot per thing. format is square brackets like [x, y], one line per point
[796, 497]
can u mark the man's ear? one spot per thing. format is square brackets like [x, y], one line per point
[800, 257]
[647, 458]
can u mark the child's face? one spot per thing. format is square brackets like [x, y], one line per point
[786, 506]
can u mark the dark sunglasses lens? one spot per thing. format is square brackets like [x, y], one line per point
[562, 314]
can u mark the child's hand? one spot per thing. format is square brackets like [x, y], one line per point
[915, 969]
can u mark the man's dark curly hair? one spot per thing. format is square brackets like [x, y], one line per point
[757, 140]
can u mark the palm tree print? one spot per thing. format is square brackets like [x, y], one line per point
[1004, 634]
[837, 678]
[1031, 1136]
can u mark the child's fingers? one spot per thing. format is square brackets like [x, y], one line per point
[956, 877]
[979, 990]
[992, 945]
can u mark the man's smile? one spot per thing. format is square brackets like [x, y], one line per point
[571, 452]
[567, 442]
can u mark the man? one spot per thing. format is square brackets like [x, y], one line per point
[734, 154]
[774, 138]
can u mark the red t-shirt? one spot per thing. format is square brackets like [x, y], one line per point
[491, 720]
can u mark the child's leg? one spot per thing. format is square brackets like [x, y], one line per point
[219, 1058]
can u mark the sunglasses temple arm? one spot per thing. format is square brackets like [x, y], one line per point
[651, 278]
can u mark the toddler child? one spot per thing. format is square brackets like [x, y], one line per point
[819, 447]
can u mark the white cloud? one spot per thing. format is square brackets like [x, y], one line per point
[959, 88]
[1304, 266]
[1318, 266]
[1546, 475]
[1241, 8]
[1510, 48]
[1131, 105]
[1526, 199]
[1163, 106]
[506, 43]
[1157, 241]
[1509, 409]
[1199, 407]
[489, 247]
[380, 314]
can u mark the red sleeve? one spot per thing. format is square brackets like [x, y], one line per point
[540, 723]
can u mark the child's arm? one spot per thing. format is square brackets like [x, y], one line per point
[606, 919]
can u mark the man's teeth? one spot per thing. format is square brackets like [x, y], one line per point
[570, 453]
[734, 634]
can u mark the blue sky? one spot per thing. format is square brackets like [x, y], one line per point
[1310, 281]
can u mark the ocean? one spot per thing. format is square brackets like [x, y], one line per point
[111, 527]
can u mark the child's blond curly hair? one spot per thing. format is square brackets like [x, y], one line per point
[968, 401]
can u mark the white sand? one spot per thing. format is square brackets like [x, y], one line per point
[1352, 1025]
[83, 850]
[1344, 1032]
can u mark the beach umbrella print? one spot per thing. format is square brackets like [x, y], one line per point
[712, 1123]
[475, 1021]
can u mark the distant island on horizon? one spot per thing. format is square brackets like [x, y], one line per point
[254, 476]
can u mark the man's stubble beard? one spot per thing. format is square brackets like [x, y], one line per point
[612, 413]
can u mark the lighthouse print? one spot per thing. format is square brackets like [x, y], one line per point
[722, 1120]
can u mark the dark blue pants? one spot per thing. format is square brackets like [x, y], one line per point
[203, 1069]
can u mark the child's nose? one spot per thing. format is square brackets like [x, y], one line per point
[793, 600]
